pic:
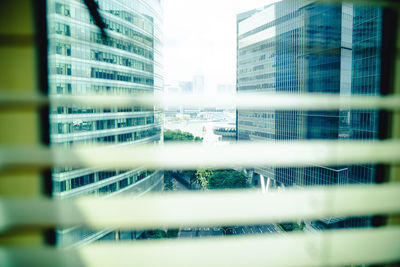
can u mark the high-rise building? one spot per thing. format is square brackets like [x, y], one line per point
[307, 47]
[82, 62]
[186, 87]
[198, 84]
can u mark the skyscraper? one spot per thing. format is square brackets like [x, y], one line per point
[186, 87]
[82, 63]
[198, 84]
[309, 47]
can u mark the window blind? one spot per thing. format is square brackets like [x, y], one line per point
[27, 213]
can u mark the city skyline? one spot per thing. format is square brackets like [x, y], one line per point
[202, 40]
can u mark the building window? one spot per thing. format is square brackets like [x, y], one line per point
[63, 49]
[61, 28]
[63, 9]
[63, 69]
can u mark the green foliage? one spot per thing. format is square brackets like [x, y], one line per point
[172, 233]
[219, 179]
[174, 136]
[206, 179]
[224, 179]
[157, 234]
[178, 135]
[202, 177]
[153, 234]
[289, 227]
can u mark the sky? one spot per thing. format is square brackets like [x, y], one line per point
[200, 38]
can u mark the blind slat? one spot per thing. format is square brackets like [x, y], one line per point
[193, 156]
[337, 248]
[243, 101]
[240, 207]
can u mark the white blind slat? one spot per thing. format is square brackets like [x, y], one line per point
[241, 207]
[331, 248]
[193, 156]
[243, 101]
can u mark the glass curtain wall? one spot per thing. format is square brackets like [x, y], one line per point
[82, 63]
[309, 47]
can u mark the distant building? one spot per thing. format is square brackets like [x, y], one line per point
[198, 85]
[192, 88]
[186, 87]
[172, 90]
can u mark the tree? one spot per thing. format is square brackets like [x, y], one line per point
[174, 136]
[223, 179]
[153, 234]
[178, 135]
[202, 177]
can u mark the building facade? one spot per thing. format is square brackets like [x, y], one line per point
[307, 47]
[198, 84]
[82, 63]
[186, 87]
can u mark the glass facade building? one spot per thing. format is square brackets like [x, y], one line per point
[82, 63]
[299, 47]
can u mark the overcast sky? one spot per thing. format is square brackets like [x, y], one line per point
[200, 37]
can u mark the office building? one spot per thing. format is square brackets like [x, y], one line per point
[198, 84]
[83, 63]
[299, 47]
[189, 88]
[186, 87]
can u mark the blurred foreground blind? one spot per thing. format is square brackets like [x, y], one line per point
[28, 216]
